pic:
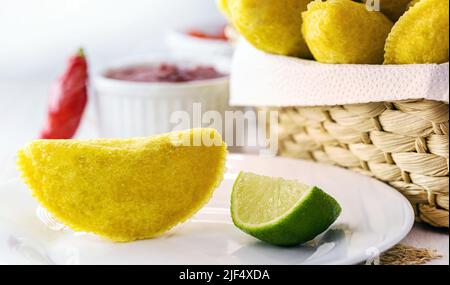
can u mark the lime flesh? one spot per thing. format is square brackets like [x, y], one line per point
[281, 212]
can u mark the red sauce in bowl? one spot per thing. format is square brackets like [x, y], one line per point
[163, 73]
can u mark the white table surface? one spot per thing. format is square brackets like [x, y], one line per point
[22, 109]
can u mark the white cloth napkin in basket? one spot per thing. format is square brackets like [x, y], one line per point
[260, 79]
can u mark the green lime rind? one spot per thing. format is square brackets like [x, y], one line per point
[312, 215]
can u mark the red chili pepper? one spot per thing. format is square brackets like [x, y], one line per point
[67, 100]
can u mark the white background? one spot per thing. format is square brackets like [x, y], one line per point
[37, 35]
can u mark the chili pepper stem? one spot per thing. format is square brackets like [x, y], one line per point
[80, 52]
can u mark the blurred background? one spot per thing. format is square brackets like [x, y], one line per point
[37, 37]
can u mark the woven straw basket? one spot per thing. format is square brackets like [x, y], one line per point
[403, 143]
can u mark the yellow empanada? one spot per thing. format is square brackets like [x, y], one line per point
[124, 189]
[420, 35]
[343, 31]
[273, 26]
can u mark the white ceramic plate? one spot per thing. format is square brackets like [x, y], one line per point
[375, 217]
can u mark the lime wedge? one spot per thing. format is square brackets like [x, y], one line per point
[281, 212]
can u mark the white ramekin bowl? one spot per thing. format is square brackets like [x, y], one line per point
[133, 109]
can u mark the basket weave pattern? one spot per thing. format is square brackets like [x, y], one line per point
[403, 143]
